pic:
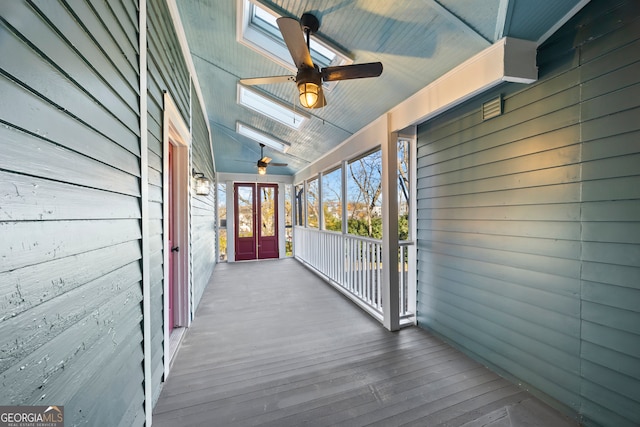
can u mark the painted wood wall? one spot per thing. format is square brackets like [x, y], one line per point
[70, 203]
[529, 223]
[70, 271]
[167, 73]
[203, 208]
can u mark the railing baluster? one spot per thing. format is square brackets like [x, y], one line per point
[354, 263]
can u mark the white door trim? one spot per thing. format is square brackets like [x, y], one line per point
[176, 133]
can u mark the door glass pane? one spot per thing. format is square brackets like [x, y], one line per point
[245, 211]
[267, 211]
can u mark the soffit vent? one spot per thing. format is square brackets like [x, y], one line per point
[492, 108]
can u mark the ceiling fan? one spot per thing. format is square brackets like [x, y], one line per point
[266, 161]
[310, 77]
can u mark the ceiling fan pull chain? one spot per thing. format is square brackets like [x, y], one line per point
[293, 102]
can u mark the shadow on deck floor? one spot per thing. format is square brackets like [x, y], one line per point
[273, 345]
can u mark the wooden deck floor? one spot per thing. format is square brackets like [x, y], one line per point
[274, 345]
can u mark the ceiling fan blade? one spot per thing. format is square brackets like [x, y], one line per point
[267, 80]
[278, 164]
[294, 38]
[355, 71]
[265, 159]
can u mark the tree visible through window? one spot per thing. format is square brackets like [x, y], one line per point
[288, 220]
[403, 188]
[313, 203]
[222, 217]
[364, 190]
[332, 200]
[299, 190]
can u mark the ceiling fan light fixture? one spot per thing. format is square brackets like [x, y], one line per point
[309, 81]
[262, 167]
[308, 94]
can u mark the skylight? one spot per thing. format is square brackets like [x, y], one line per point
[257, 29]
[256, 101]
[256, 135]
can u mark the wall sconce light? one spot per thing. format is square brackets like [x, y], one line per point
[203, 184]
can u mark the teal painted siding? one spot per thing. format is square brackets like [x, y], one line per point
[528, 223]
[610, 277]
[203, 208]
[70, 276]
[70, 204]
[167, 73]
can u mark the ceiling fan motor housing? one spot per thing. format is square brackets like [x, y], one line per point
[309, 75]
[309, 23]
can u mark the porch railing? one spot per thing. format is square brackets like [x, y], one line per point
[353, 264]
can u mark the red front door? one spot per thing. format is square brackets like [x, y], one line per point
[267, 209]
[256, 221]
[172, 253]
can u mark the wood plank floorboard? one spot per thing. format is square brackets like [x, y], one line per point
[273, 345]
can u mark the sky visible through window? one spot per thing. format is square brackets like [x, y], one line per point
[364, 195]
[256, 101]
[266, 21]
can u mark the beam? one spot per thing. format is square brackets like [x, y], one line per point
[508, 60]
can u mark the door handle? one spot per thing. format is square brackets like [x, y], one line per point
[175, 249]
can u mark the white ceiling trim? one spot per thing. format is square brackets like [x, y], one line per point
[465, 27]
[501, 21]
[562, 21]
[253, 177]
[186, 53]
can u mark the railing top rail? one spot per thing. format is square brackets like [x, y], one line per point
[353, 236]
[363, 238]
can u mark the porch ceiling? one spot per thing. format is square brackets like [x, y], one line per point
[416, 40]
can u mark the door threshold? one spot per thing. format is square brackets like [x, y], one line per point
[174, 342]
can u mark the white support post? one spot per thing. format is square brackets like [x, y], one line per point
[282, 230]
[390, 279]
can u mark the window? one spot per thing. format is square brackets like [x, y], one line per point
[404, 190]
[332, 200]
[313, 203]
[260, 137]
[262, 104]
[364, 190]
[288, 220]
[299, 189]
[222, 217]
[257, 28]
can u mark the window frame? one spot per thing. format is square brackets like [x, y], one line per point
[261, 36]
